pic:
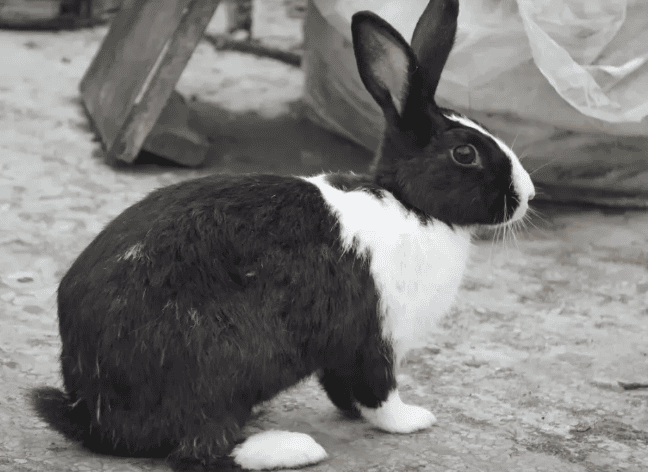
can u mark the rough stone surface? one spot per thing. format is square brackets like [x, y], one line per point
[523, 375]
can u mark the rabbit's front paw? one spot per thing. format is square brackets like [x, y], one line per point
[278, 450]
[394, 416]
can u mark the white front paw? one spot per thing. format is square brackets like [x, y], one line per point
[394, 416]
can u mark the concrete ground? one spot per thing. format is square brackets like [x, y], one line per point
[542, 365]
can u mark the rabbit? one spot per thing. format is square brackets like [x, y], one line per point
[211, 296]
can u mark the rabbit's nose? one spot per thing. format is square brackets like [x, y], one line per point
[531, 195]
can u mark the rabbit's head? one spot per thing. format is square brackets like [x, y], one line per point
[437, 162]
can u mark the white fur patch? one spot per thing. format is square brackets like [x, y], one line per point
[278, 449]
[417, 268]
[521, 179]
[394, 416]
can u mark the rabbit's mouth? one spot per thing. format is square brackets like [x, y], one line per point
[517, 217]
[523, 191]
[520, 212]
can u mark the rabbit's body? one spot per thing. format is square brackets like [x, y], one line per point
[213, 295]
[337, 274]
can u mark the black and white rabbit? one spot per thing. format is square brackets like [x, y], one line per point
[215, 294]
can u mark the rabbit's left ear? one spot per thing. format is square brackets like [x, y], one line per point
[433, 39]
[385, 61]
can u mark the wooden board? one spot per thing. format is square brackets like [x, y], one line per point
[24, 12]
[173, 138]
[135, 71]
[54, 14]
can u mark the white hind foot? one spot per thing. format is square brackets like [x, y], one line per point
[394, 416]
[278, 449]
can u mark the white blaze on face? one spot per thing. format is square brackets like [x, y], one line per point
[522, 183]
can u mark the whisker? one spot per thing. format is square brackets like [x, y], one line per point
[507, 227]
[515, 139]
[532, 212]
[551, 161]
[492, 247]
[523, 226]
[538, 214]
[515, 227]
[511, 234]
[526, 221]
[535, 211]
[536, 227]
[524, 154]
[501, 240]
[514, 230]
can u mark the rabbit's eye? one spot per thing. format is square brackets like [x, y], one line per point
[465, 155]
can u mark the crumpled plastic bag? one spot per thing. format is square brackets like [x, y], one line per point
[572, 43]
[593, 53]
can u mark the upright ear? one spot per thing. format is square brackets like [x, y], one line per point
[385, 61]
[433, 39]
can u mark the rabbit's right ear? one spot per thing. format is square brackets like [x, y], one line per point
[385, 61]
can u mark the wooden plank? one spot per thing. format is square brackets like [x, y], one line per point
[21, 12]
[138, 64]
[172, 136]
[104, 7]
[50, 14]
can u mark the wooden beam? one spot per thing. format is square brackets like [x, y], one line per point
[137, 67]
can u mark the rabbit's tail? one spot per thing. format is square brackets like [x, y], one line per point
[55, 407]
[73, 420]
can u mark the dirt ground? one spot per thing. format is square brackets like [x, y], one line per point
[542, 365]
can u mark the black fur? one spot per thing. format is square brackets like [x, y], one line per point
[210, 296]
[351, 182]
[212, 313]
[432, 41]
